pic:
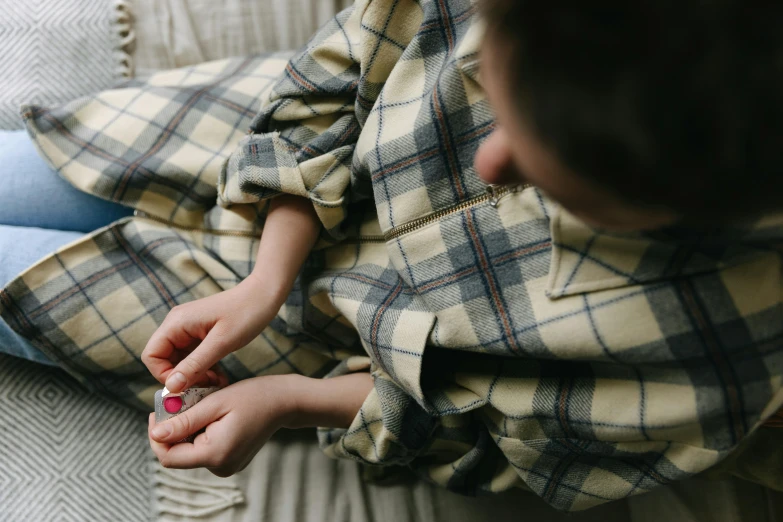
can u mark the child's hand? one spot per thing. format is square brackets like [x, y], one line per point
[196, 335]
[240, 419]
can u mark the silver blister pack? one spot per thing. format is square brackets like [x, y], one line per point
[169, 405]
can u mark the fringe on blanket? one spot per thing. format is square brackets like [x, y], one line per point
[191, 494]
[125, 38]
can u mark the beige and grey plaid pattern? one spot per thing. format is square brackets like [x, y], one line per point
[510, 346]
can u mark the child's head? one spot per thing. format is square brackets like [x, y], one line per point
[635, 114]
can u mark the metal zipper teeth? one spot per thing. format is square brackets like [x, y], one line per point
[230, 233]
[493, 196]
[364, 239]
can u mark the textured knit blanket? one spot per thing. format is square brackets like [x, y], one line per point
[52, 51]
[66, 454]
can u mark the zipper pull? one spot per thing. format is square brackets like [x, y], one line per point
[139, 213]
[495, 192]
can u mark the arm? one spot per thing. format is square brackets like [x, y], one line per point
[301, 146]
[240, 419]
[307, 173]
[237, 428]
[326, 403]
[290, 233]
[222, 323]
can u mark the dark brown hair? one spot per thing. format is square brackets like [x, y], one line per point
[677, 104]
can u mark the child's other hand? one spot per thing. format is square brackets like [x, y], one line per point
[186, 348]
[240, 419]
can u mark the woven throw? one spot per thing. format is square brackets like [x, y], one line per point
[52, 51]
[177, 33]
[67, 455]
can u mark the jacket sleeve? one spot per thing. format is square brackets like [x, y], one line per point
[441, 435]
[303, 140]
[575, 433]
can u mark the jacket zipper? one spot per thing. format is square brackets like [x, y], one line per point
[231, 233]
[493, 195]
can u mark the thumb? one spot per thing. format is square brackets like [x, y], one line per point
[193, 368]
[189, 422]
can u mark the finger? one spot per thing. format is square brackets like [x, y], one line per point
[199, 416]
[208, 380]
[214, 378]
[180, 353]
[177, 356]
[202, 453]
[188, 456]
[163, 349]
[193, 368]
[218, 377]
[156, 357]
[158, 448]
[223, 379]
[211, 379]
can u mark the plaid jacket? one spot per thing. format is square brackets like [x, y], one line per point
[511, 345]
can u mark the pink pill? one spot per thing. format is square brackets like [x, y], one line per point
[172, 404]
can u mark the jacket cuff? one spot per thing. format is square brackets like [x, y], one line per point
[391, 428]
[264, 166]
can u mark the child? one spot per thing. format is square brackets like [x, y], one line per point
[599, 320]
[624, 365]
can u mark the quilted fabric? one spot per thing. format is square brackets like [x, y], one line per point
[511, 345]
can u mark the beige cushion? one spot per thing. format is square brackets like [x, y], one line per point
[178, 33]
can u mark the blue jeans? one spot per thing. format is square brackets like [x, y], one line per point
[39, 213]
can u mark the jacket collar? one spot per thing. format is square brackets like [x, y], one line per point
[587, 260]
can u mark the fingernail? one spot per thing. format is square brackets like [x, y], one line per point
[162, 431]
[176, 381]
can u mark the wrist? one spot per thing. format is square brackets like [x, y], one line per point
[323, 403]
[270, 290]
[277, 393]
